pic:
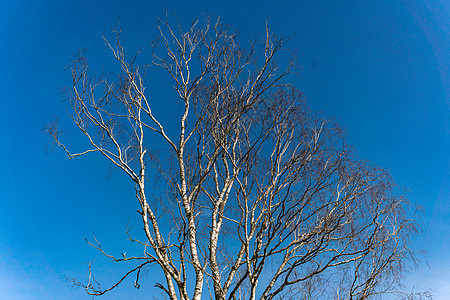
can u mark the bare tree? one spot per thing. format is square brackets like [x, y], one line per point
[263, 199]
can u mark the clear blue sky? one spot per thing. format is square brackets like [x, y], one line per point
[380, 68]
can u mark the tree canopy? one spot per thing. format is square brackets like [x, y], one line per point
[261, 198]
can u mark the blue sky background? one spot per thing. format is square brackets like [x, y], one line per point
[380, 68]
